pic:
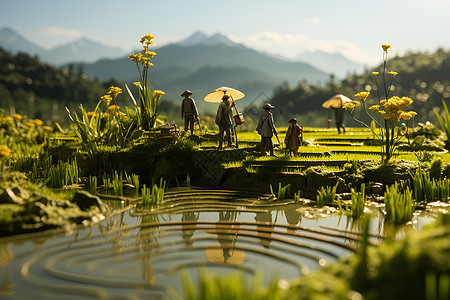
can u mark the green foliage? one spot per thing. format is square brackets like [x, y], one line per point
[117, 182]
[39, 90]
[64, 173]
[358, 202]
[92, 184]
[445, 124]
[399, 205]
[326, 195]
[231, 287]
[284, 192]
[429, 189]
[155, 195]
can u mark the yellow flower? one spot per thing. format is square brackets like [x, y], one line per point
[47, 128]
[4, 151]
[120, 114]
[158, 93]
[351, 105]
[393, 73]
[362, 96]
[17, 117]
[147, 39]
[375, 73]
[148, 64]
[37, 122]
[150, 53]
[114, 91]
[383, 102]
[8, 119]
[30, 124]
[408, 115]
[137, 83]
[374, 108]
[386, 47]
[135, 57]
[113, 107]
[106, 98]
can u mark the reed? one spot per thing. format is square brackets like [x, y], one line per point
[326, 195]
[297, 197]
[92, 184]
[155, 195]
[429, 189]
[117, 183]
[399, 205]
[358, 202]
[64, 173]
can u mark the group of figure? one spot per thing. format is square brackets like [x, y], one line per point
[224, 119]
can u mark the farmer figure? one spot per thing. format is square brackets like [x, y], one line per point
[189, 111]
[266, 128]
[293, 138]
[224, 120]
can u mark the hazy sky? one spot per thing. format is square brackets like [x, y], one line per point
[355, 28]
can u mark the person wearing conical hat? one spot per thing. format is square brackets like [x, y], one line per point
[224, 119]
[293, 136]
[189, 111]
[266, 128]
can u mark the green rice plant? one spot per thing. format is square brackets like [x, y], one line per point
[326, 195]
[155, 195]
[92, 184]
[64, 173]
[399, 205]
[117, 183]
[233, 286]
[429, 189]
[146, 194]
[297, 197]
[284, 192]
[358, 202]
[445, 124]
[106, 183]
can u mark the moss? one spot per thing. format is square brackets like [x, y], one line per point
[388, 173]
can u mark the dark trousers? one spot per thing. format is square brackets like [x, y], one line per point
[266, 142]
[189, 122]
[224, 129]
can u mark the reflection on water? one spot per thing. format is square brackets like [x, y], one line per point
[139, 252]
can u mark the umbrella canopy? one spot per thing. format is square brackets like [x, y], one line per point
[216, 95]
[336, 101]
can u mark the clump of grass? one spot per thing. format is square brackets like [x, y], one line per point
[155, 195]
[92, 184]
[326, 195]
[429, 189]
[233, 286]
[399, 204]
[284, 192]
[297, 197]
[358, 202]
[64, 173]
[117, 182]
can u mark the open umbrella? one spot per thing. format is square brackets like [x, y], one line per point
[336, 101]
[216, 95]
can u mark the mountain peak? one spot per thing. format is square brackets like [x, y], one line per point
[200, 38]
[12, 41]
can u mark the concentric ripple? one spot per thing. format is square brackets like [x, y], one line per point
[224, 231]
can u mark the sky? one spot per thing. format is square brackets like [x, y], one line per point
[354, 28]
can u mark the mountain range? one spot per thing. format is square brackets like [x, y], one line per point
[199, 63]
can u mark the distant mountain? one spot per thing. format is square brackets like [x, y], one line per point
[333, 63]
[202, 63]
[14, 43]
[83, 50]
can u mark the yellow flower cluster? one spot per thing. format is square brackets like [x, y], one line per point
[362, 96]
[394, 106]
[146, 41]
[374, 108]
[4, 151]
[158, 93]
[386, 47]
[106, 99]
[7, 120]
[17, 117]
[351, 105]
[113, 107]
[37, 122]
[375, 73]
[114, 91]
